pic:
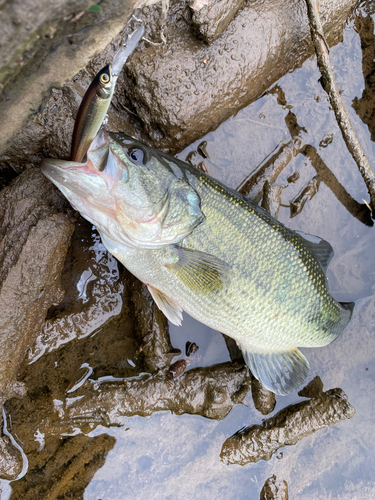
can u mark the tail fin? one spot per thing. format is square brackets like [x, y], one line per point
[281, 372]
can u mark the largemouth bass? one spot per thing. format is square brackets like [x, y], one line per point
[203, 248]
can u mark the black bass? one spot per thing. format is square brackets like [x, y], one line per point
[203, 248]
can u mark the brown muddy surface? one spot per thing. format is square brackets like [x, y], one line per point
[287, 427]
[185, 89]
[168, 95]
[43, 45]
[36, 227]
[274, 489]
[73, 425]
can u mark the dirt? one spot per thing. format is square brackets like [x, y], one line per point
[185, 89]
[36, 230]
[210, 18]
[10, 458]
[264, 400]
[51, 43]
[63, 467]
[274, 489]
[216, 81]
[287, 427]
[151, 328]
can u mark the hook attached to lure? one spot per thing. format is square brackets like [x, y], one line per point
[96, 101]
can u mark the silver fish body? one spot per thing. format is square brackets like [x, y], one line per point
[203, 248]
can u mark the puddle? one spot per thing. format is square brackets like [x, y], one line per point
[178, 456]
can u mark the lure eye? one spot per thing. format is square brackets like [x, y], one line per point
[135, 155]
[104, 78]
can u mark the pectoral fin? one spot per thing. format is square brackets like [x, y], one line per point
[168, 306]
[201, 272]
[280, 372]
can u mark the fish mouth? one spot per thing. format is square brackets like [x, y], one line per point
[52, 168]
[75, 180]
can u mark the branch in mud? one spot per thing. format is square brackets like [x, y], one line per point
[270, 168]
[287, 427]
[342, 117]
[357, 210]
[210, 391]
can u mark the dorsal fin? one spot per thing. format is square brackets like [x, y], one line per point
[321, 249]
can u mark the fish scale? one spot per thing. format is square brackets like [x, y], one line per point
[265, 317]
[209, 251]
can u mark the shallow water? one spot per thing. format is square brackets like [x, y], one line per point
[168, 456]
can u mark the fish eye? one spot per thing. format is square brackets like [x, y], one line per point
[104, 78]
[135, 155]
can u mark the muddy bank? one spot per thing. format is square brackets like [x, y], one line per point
[168, 95]
[63, 467]
[186, 88]
[288, 426]
[36, 227]
[47, 47]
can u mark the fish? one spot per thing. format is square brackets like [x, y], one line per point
[98, 97]
[205, 249]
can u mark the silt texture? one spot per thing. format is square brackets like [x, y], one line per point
[35, 235]
[290, 425]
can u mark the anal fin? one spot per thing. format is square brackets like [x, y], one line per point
[168, 306]
[281, 372]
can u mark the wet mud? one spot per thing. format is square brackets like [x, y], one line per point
[287, 427]
[210, 18]
[151, 327]
[365, 105]
[274, 489]
[36, 230]
[201, 85]
[63, 467]
[307, 193]
[271, 198]
[43, 47]
[264, 400]
[11, 460]
[269, 170]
